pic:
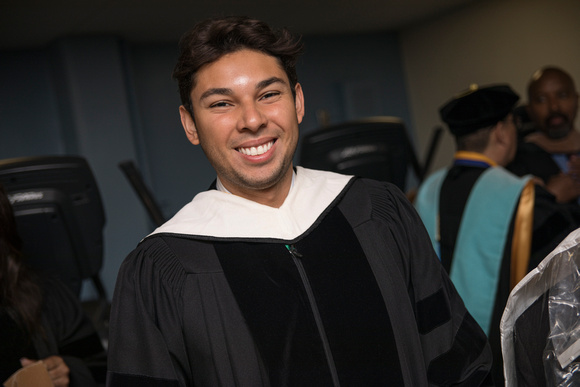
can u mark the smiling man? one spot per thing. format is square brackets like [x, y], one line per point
[280, 275]
[246, 121]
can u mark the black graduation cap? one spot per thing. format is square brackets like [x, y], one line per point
[478, 108]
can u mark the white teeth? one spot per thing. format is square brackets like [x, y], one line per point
[253, 151]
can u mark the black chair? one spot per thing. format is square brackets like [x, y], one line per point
[376, 147]
[60, 216]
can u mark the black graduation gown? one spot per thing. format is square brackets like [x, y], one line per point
[530, 159]
[358, 298]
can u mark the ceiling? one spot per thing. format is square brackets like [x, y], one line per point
[30, 23]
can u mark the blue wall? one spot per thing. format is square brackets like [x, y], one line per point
[112, 101]
[352, 77]
[29, 119]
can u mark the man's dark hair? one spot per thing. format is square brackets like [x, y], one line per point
[211, 39]
[478, 140]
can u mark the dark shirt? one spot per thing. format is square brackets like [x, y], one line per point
[530, 159]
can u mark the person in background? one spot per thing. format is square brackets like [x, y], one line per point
[40, 318]
[489, 226]
[281, 275]
[551, 153]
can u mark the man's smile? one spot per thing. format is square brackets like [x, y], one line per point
[256, 151]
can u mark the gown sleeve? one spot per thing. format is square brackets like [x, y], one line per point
[146, 298]
[454, 348]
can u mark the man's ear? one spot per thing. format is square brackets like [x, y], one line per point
[500, 132]
[299, 102]
[188, 125]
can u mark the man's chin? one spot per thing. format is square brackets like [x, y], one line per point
[260, 183]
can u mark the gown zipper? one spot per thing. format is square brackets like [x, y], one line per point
[296, 257]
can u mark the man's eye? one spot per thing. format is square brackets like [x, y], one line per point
[219, 104]
[270, 94]
[564, 95]
[540, 99]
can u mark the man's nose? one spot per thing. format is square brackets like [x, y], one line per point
[251, 117]
[554, 104]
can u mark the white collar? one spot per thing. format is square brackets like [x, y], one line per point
[219, 214]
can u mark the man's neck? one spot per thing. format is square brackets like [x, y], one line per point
[273, 196]
[568, 144]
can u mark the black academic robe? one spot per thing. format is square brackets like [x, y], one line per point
[551, 224]
[67, 332]
[530, 159]
[354, 295]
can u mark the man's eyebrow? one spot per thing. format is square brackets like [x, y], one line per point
[216, 91]
[268, 82]
[228, 91]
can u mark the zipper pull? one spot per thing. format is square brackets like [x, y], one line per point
[292, 249]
